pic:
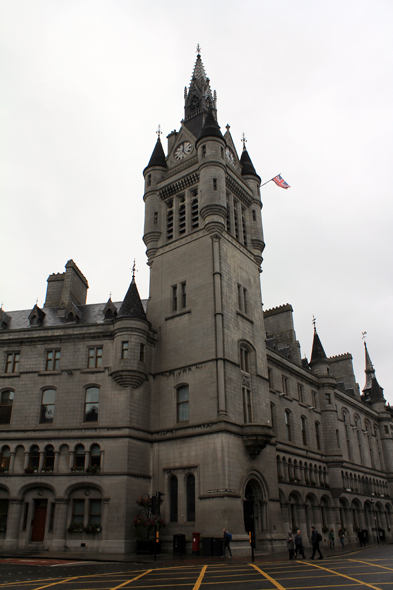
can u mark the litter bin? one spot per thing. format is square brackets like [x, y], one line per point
[179, 544]
[217, 546]
[195, 543]
[207, 546]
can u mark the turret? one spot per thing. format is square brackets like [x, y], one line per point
[253, 181]
[211, 152]
[130, 365]
[153, 174]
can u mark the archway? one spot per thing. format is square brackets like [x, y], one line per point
[256, 506]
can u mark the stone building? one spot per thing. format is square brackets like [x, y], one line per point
[195, 392]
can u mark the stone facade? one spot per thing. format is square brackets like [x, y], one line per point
[196, 392]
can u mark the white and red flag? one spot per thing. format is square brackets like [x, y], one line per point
[280, 181]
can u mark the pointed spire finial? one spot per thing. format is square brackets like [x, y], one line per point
[314, 322]
[110, 295]
[227, 127]
[133, 271]
[244, 140]
[364, 334]
[159, 132]
[198, 50]
[36, 301]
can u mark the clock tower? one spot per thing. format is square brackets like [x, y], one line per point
[204, 243]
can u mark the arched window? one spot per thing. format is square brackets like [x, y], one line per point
[287, 417]
[49, 458]
[92, 404]
[318, 435]
[245, 367]
[48, 406]
[173, 499]
[190, 491]
[5, 458]
[304, 431]
[79, 458]
[273, 416]
[34, 458]
[95, 456]
[244, 359]
[182, 403]
[6, 399]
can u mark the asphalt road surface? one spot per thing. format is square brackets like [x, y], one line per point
[361, 569]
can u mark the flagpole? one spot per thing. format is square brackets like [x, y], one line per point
[269, 180]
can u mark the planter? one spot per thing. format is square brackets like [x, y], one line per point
[93, 469]
[76, 528]
[146, 546]
[92, 529]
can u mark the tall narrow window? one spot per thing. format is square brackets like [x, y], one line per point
[49, 458]
[94, 357]
[182, 215]
[142, 352]
[34, 458]
[78, 511]
[79, 457]
[190, 491]
[314, 399]
[284, 384]
[6, 399]
[317, 435]
[12, 362]
[174, 298]
[214, 184]
[5, 457]
[3, 513]
[149, 180]
[95, 456]
[244, 227]
[228, 218]
[254, 216]
[169, 220]
[52, 360]
[304, 431]
[155, 220]
[92, 404]
[245, 302]
[300, 392]
[194, 210]
[95, 512]
[48, 406]
[270, 378]
[183, 293]
[287, 417]
[239, 297]
[235, 219]
[273, 416]
[124, 350]
[182, 403]
[247, 415]
[173, 499]
[244, 360]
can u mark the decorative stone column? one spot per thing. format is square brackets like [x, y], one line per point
[58, 542]
[13, 523]
[218, 314]
[71, 462]
[102, 460]
[41, 461]
[26, 463]
[87, 459]
[56, 463]
[12, 461]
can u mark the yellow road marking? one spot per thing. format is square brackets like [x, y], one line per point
[200, 578]
[372, 564]
[128, 581]
[54, 583]
[265, 575]
[343, 576]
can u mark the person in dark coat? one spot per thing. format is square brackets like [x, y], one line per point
[315, 543]
[299, 547]
[227, 540]
[290, 545]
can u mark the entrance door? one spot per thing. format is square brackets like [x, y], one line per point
[39, 519]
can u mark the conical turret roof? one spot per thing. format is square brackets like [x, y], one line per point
[369, 370]
[132, 306]
[247, 165]
[318, 354]
[158, 156]
[210, 128]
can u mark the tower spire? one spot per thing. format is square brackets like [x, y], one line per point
[199, 98]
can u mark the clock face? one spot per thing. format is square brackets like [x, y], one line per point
[183, 150]
[230, 156]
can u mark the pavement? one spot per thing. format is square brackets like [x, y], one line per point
[61, 557]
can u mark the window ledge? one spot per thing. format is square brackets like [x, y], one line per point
[245, 316]
[93, 371]
[10, 375]
[56, 372]
[178, 314]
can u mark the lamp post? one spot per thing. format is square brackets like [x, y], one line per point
[375, 521]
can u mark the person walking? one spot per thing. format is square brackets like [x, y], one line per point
[290, 545]
[299, 547]
[227, 541]
[316, 538]
[331, 539]
[341, 534]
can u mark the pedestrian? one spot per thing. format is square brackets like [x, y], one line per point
[341, 534]
[362, 538]
[331, 539]
[290, 545]
[316, 538]
[227, 541]
[299, 547]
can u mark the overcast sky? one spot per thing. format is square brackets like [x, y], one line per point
[85, 84]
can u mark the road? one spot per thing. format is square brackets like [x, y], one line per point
[363, 569]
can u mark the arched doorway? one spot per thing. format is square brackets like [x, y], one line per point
[255, 507]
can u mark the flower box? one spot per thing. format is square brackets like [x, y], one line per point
[77, 469]
[93, 469]
[92, 529]
[75, 527]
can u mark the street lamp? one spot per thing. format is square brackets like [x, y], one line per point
[375, 521]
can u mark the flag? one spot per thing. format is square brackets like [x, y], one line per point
[280, 181]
